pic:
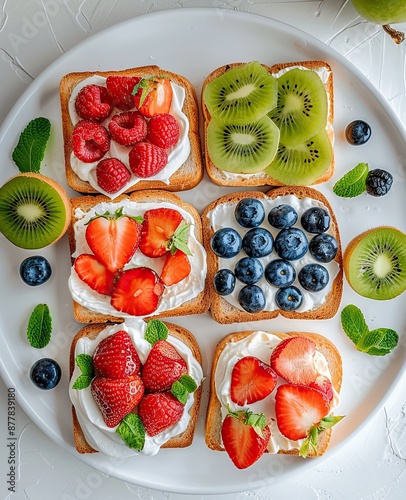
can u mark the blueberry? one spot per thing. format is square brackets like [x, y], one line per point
[257, 242]
[323, 247]
[378, 182]
[224, 282]
[315, 220]
[358, 132]
[313, 277]
[282, 216]
[252, 298]
[291, 243]
[248, 270]
[250, 212]
[289, 298]
[45, 373]
[35, 270]
[280, 273]
[226, 243]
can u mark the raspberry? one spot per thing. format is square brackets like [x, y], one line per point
[90, 141]
[163, 130]
[146, 159]
[128, 128]
[93, 103]
[112, 175]
[120, 89]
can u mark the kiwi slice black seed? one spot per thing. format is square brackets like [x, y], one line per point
[245, 148]
[301, 111]
[34, 211]
[303, 164]
[375, 263]
[242, 94]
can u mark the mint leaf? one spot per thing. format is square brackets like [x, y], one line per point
[179, 391]
[156, 330]
[30, 149]
[39, 326]
[188, 382]
[85, 363]
[132, 431]
[180, 238]
[352, 183]
[82, 382]
[353, 323]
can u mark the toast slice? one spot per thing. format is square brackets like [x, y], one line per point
[225, 309]
[180, 441]
[187, 176]
[261, 178]
[214, 417]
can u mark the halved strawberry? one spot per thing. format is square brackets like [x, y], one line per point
[137, 291]
[153, 95]
[176, 268]
[323, 384]
[113, 238]
[245, 437]
[158, 411]
[120, 89]
[94, 274]
[251, 381]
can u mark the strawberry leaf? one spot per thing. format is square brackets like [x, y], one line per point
[132, 431]
[156, 330]
[39, 326]
[180, 239]
[30, 149]
[330, 421]
[85, 363]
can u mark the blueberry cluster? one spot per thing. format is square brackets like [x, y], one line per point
[270, 252]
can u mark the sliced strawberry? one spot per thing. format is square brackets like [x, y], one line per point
[93, 102]
[293, 359]
[128, 128]
[323, 384]
[90, 141]
[116, 397]
[163, 366]
[116, 357]
[137, 291]
[113, 238]
[153, 95]
[120, 89]
[251, 381]
[245, 437]
[94, 274]
[159, 411]
[176, 268]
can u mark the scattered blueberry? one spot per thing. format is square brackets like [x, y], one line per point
[291, 243]
[282, 216]
[313, 277]
[250, 212]
[35, 270]
[251, 298]
[315, 220]
[378, 182]
[323, 247]
[224, 282]
[226, 242]
[280, 273]
[248, 270]
[358, 132]
[289, 298]
[257, 242]
[45, 373]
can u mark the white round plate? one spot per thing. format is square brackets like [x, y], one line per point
[193, 42]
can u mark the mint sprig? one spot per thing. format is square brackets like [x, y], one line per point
[352, 183]
[132, 431]
[85, 363]
[30, 149]
[39, 327]
[182, 387]
[155, 330]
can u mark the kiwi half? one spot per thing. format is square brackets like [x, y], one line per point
[34, 211]
[302, 108]
[303, 164]
[242, 94]
[375, 263]
[247, 148]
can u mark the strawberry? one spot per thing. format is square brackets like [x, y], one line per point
[251, 381]
[90, 141]
[164, 365]
[120, 88]
[116, 357]
[293, 359]
[137, 291]
[128, 128]
[112, 175]
[146, 159]
[158, 411]
[94, 274]
[153, 95]
[323, 384]
[116, 397]
[176, 268]
[93, 102]
[113, 238]
[163, 130]
[245, 437]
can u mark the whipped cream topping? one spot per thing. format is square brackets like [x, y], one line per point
[261, 345]
[106, 439]
[173, 296]
[177, 155]
[223, 216]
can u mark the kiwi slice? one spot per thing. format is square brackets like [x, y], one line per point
[247, 148]
[34, 211]
[303, 164]
[375, 263]
[301, 111]
[242, 94]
